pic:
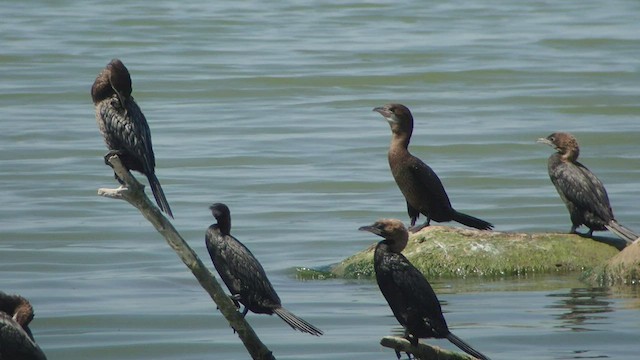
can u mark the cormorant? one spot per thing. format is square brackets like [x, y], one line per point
[16, 340]
[582, 192]
[243, 274]
[124, 127]
[419, 184]
[409, 294]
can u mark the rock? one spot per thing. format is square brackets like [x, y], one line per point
[622, 269]
[447, 251]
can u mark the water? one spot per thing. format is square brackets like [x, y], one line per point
[267, 107]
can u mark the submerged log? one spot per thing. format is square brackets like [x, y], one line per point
[422, 351]
[442, 251]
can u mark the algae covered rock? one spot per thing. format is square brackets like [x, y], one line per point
[447, 251]
[622, 269]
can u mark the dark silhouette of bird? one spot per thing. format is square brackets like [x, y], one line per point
[244, 276]
[124, 127]
[421, 187]
[582, 192]
[409, 294]
[16, 340]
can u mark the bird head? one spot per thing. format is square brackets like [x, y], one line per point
[392, 230]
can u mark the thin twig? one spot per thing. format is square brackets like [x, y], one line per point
[133, 193]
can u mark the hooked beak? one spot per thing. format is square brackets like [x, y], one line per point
[383, 111]
[371, 229]
[545, 141]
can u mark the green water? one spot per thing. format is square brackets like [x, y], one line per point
[267, 107]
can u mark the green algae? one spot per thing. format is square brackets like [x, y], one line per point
[304, 273]
[622, 269]
[440, 251]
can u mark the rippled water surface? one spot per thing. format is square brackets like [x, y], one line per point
[267, 107]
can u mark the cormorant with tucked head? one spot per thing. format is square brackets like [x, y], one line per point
[16, 340]
[421, 187]
[124, 127]
[409, 294]
[242, 273]
[582, 192]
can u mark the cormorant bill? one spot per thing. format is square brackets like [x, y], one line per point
[244, 276]
[16, 340]
[582, 192]
[421, 187]
[124, 127]
[409, 294]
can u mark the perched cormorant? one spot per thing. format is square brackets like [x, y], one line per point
[418, 183]
[243, 274]
[409, 294]
[16, 340]
[582, 192]
[124, 127]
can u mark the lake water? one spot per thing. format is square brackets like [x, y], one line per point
[267, 107]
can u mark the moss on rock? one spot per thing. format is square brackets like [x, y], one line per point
[446, 251]
[622, 269]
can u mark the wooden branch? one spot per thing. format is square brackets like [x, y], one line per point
[422, 351]
[133, 193]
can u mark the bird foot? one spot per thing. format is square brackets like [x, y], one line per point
[109, 155]
[415, 229]
[236, 300]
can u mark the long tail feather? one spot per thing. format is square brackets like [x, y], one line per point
[471, 221]
[466, 347]
[161, 200]
[624, 233]
[296, 322]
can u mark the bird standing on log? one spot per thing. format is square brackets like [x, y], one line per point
[419, 184]
[409, 294]
[16, 340]
[124, 127]
[582, 192]
[243, 274]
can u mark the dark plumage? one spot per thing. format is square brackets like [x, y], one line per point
[409, 294]
[582, 192]
[124, 127]
[16, 340]
[242, 273]
[419, 184]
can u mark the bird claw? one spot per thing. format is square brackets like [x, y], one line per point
[398, 354]
[236, 300]
[109, 155]
[415, 229]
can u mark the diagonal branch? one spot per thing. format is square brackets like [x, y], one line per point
[422, 351]
[133, 193]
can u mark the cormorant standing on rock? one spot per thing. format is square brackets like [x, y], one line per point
[124, 127]
[243, 274]
[16, 340]
[418, 183]
[582, 192]
[409, 294]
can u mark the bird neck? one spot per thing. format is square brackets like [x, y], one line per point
[224, 225]
[393, 245]
[23, 314]
[570, 155]
[400, 140]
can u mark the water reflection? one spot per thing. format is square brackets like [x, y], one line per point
[582, 307]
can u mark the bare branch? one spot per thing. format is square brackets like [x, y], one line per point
[133, 193]
[422, 351]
